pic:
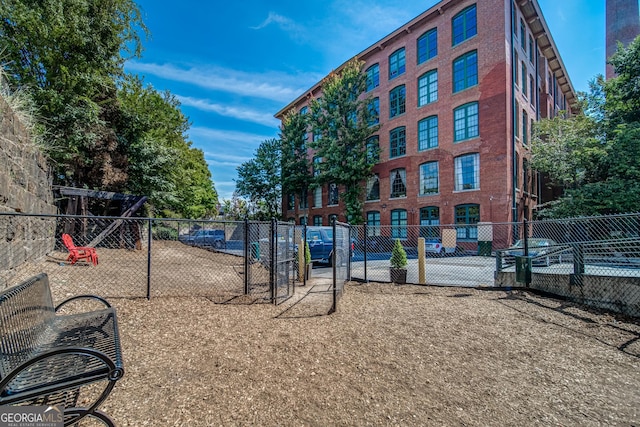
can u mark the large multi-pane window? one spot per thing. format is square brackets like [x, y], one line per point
[532, 90]
[303, 220]
[465, 71]
[464, 25]
[429, 182]
[525, 175]
[399, 224]
[467, 172]
[317, 220]
[397, 101]
[396, 63]
[465, 122]
[515, 67]
[373, 149]
[428, 133]
[291, 201]
[531, 49]
[333, 194]
[516, 125]
[373, 77]
[373, 187]
[373, 223]
[304, 110]
[427, 45]
[428, 88]
[523, 32]
[467, 218]
[524, 78]
[525, 131]
[317, 197]
[397, 142]
[430, 222]
[304, 202]
[374, 111]
[316, 165]
[398, 181]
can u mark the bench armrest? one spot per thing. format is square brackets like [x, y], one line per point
[77, 297]
[110, 371]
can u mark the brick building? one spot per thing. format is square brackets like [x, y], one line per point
[623, 25]
[458, 89]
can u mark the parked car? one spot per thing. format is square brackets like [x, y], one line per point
[320, 240]
[543, 251]
[211, 238]
[434, 246]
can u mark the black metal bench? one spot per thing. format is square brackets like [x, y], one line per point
[46, 358]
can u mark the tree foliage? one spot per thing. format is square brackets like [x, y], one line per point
[343, 120]
[296, 174]
[259, 180]
[102, 129]
[595, 155]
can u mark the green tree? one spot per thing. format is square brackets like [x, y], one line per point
[296, 175]
[68, 55]
[595, 155]
[343, 120]
[259, 179]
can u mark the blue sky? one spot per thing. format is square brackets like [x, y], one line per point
[234, 64]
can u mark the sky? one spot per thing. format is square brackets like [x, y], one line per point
[234, 64]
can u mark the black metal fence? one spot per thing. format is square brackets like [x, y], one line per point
[144, 257]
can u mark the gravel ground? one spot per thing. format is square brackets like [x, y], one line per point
[390, 355]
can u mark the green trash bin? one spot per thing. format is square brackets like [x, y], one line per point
[484, 248]
[255, 250]
[523, 269]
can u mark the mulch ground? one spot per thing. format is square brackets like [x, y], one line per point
[391, 355]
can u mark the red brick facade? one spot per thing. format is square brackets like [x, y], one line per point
[497, 146]
[623, 25]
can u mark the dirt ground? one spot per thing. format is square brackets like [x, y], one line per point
[391, 355]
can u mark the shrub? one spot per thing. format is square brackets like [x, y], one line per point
[398, 256]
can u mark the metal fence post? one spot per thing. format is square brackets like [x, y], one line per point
[304, 251]
[333, 264]
[247, 254]
[365, 252]
[273, 240]
[149, 238]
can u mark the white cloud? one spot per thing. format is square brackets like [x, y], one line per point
[278, 87]
[240, 113]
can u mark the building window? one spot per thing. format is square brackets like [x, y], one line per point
[516, 166]
[516, 79]
[373, 77]
[303, 220]
[373, 149]
[397, 99]
[467, 216]
[429, 178]
[516, 116]
[333, 194]
[373, 187]
[374, 111]
[428, 88]
[317, 197]
[525, 131]
[465, 71]
[465, 122]
[430, 222]
[428, 133]
[397, 142]
[531, 51]
[316, 165]
[396, 63]
[525, 175]
[523, 39]
[291, 202]
[398, 179]
[316, 136]
[427, 45]
[467, 172]
[399, 224]
[304, 202]
[524, 78]
[373, 223]
[531, 89]
[464, 25]
[304, 110]
[317, 220]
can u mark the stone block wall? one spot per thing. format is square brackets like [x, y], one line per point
[25, 187]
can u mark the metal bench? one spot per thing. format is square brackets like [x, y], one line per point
[46, 358]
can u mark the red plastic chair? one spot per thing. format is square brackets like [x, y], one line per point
[79, 252]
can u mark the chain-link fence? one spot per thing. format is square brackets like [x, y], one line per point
[142, 257]
[594, 260]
